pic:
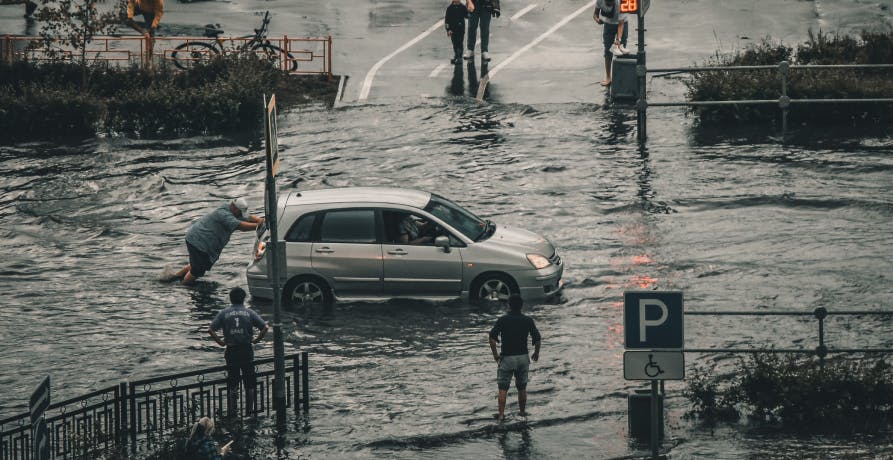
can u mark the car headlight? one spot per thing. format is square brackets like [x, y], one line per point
[261, 249]
[539, 262]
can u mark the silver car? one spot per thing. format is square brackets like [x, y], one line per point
[355, 243]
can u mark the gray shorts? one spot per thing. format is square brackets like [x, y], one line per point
[516, 365]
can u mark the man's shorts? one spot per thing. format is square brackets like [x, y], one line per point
[610, 33]
[198, 260]
[516, 365]
[148, 19]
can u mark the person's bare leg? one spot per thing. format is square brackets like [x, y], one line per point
[183, 271]
[501, 399]
[522, 401]
[188, 278]
[607, 80]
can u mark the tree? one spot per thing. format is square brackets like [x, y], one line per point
[68, 26]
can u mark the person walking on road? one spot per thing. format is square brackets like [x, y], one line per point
[480, 14]
[238, 324]
[514, 328]
[614, 36]
[206, 238]
[454, 22]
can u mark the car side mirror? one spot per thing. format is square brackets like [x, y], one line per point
[442, 242]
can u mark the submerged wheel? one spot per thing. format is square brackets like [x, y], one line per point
[492, 288]
[276, 55]
[190, 54]
[307, 291]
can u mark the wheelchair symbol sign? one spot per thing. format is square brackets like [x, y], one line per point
[653, 365]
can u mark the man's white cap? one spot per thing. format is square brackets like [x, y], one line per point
[242, 205]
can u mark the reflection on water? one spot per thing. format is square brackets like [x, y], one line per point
[87, 228]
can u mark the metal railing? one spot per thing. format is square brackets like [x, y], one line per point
[820, 314]
[136, 415]
[784, 101]
[313, 55]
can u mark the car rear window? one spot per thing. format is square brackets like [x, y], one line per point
[348, 226]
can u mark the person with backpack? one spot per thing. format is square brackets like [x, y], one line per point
[614, 36]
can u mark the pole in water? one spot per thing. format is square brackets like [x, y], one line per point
[655, 430]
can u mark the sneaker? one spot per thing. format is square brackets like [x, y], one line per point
[468, 54]
[626, 50]
[485, 56]
[29, 9]
[615, 50]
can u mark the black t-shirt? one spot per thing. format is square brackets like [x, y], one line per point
[455, 17]
[514, 329]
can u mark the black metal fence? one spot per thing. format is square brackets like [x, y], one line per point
[133, 416]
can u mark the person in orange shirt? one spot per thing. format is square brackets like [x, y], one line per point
[152, 10]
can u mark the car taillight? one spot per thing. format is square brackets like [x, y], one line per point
[261, 249]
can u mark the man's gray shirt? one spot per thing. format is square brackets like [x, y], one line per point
[211, 233]
[237, 322]
[610, 16]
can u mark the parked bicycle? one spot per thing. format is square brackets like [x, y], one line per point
[189, 54]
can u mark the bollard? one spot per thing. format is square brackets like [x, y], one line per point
[624, 81]
[639, 415]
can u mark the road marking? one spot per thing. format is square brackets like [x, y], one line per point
[340, 92]
[437, 70]
[482, 87]
[523, 12]
[367, 83]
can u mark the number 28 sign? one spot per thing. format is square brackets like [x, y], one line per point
[629, 6]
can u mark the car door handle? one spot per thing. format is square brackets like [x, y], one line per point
[326, 250]
[398, 252]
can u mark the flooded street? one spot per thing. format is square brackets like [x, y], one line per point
[733, 218]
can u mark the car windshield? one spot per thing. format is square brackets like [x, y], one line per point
[457, 217]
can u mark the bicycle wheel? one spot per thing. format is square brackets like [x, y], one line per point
[189, 54]
[276, 55]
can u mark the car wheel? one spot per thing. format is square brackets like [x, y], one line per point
[307, 291]
[493, 288]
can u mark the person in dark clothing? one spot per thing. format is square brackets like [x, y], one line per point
[514, 328]
[200, 445]
[481, 14]
[454, 22]
[30, 6]
[237, 323]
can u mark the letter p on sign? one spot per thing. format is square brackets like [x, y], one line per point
[653, 320]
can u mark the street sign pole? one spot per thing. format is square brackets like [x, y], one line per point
[655, 428]
[272, 154]
[642, 103]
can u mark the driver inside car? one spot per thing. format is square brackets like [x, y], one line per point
[415, 231]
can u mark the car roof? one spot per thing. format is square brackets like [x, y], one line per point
[383, 195]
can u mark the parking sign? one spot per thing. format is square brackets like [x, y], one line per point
[653, 320]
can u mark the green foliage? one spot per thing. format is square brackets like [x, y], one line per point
[799, 394]
[870, 48]
[223, 96]
[71, 25]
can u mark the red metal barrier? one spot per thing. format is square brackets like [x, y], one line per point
[313, 55]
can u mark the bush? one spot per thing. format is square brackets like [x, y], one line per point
[798, 394]
[49, 101]
[870, 48]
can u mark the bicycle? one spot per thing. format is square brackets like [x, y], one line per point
[189, 54]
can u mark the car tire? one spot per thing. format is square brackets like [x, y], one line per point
[492, 288]
[307, 291]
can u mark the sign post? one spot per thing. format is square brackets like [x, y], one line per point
[37, 406]
[272, 155]
[653, 324]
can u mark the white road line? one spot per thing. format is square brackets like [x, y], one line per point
[367, 83]
[437, 70]
[523, 12]
[482, 87]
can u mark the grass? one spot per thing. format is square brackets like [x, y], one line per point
[868, 48]
[791, 393]
[49, 101]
